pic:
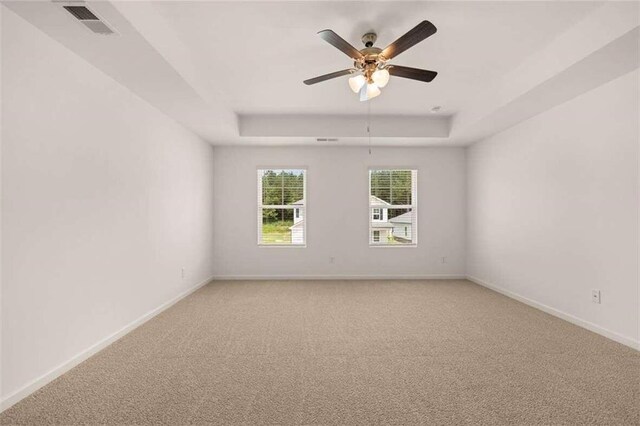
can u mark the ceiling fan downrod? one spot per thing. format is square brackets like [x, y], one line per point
[369, 39]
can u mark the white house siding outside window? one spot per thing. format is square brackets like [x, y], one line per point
[282, 207]
[393, 218]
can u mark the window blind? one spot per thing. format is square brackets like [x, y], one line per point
[282, 207]
[393, 218]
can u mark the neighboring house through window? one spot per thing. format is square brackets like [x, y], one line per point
[281, 207]
[393, 207]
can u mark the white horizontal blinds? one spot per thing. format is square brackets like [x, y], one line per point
[281, 206]
[393, 218]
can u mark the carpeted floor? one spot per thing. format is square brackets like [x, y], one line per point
[347, 352]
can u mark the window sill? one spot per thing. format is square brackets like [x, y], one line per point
[282, 245]
[393, 245]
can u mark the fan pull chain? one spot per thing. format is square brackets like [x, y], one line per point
[369, 124]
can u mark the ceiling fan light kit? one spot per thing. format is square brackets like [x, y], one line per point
[371, 71]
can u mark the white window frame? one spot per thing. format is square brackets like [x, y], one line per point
[261, 206]
[413, 206]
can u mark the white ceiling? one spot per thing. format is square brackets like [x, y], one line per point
[259, 53]
[206, 63]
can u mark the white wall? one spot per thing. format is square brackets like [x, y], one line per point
[337, 214]
[553, 208]
[105, 199]
[1, 134]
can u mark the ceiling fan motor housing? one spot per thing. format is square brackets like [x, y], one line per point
[371, 55]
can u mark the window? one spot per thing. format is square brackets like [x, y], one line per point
[393, 207]
[281, 207]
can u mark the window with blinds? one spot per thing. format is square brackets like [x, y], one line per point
[393, 215]
[282, 207]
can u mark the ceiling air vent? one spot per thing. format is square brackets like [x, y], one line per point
[81, 13]
[89, 19]
[327, 139]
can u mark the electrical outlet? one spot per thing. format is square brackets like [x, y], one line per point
[182, 273]
[332, 260]
[595, 296]
[444, 259]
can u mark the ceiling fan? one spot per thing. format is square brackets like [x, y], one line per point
[370, 67]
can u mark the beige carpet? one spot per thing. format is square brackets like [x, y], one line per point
[347, 352]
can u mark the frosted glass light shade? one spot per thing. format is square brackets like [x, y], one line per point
[372, 91]
[356, 83]
[369, 91]
[380, 77]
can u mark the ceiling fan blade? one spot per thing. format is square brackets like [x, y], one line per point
[341, 44]
[414, 36]
[412, 73]
[328, 76]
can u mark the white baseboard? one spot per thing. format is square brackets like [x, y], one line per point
[627, 341]
[82, 356]
[335, 277]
